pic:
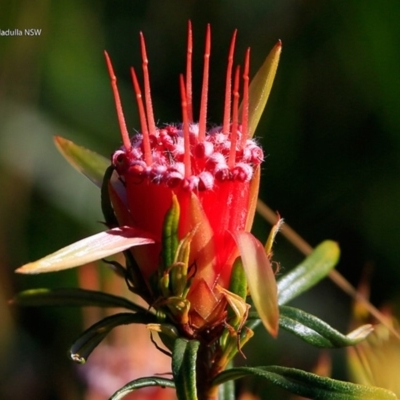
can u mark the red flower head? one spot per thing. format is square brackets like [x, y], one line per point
[210, 174]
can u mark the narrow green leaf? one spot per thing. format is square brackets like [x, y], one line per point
[184, 358]
[90, 249]
[260, 87]
[91, 338]
[317, 332]
[170, 233]
[89, 163]
[142, 383]
[72, 297]
[307, 384]
[260, 278]
[314, 268]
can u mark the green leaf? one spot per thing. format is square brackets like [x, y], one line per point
[89, 339]
[142, 383]
[307, 384]
[72, 297]
[184, 358]
[260, 87]
[314, 268]
[260, 278]
[90, 249]
[317, 332]
[89, 163]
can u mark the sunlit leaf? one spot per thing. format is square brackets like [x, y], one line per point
[90, 249]
[260, 87]
[260, 278]
[72, 297]
[86, 161]
[94, 335]
[314, 268]
[140, 383]
[184, 357]
[307, 384]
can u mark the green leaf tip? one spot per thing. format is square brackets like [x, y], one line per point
[140, 383]
[88, 162]
[317, 332]
[93, 336]
[314, 267]
[306, 384]
[260, 87]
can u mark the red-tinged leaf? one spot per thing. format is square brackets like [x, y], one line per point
[260, 278]
[90, 249]
[89, 163]
[253, 197]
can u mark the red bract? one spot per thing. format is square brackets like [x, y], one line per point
[214, 174]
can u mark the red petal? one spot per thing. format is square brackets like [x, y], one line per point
[202, 250]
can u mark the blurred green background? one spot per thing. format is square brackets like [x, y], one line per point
[331, 131]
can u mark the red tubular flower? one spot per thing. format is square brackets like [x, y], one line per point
[214, 174]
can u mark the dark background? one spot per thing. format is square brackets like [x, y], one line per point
[331, 132]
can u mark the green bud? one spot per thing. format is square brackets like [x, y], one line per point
[238, 282]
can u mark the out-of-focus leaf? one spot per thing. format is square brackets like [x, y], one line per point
[90, 249]
[74, 297]
[317, 332]
[92, 337]
[260, 278]
[184, 358]
[314, 268]
[260, 87]
[307, 384]
[89, 163]
[142, 383]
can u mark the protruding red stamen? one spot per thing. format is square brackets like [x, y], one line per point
[204, 91]
[228, 84]
[189, 95]
[120, 114]
[147, 91]
[235, 113]
[143, 121]
[185, 119]
[245, 101]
